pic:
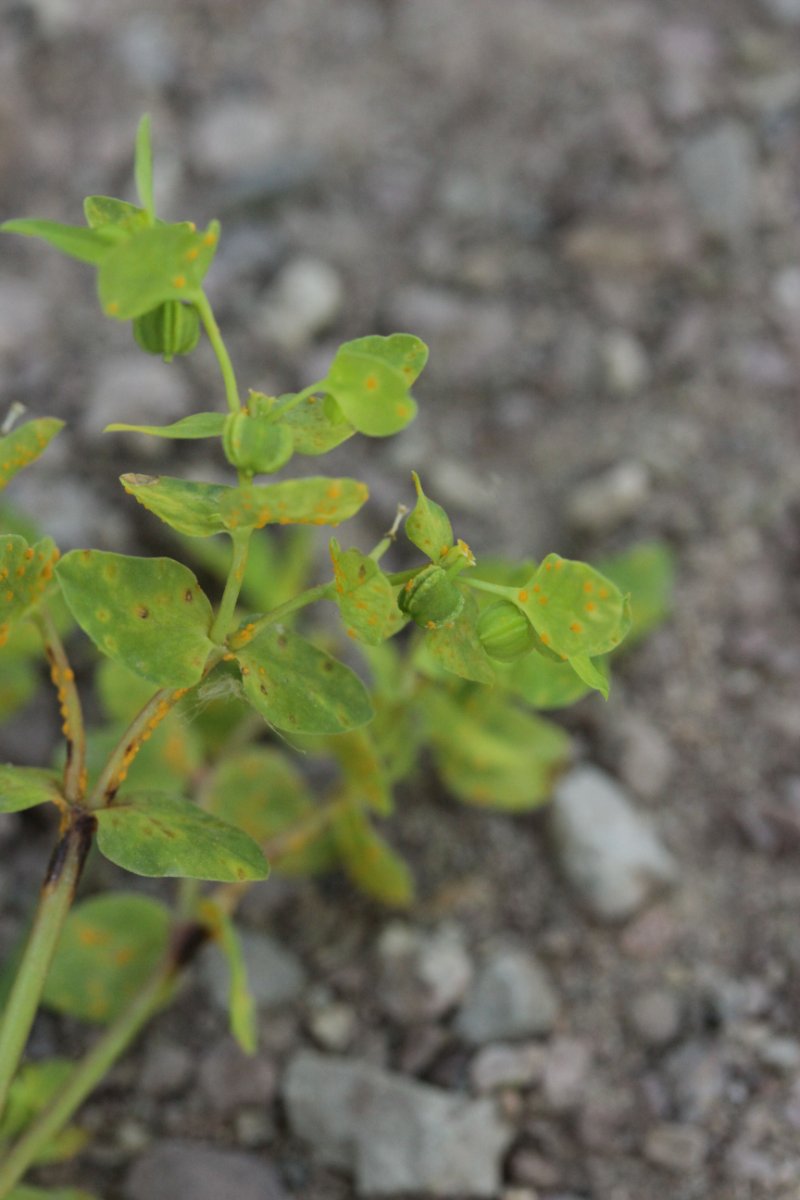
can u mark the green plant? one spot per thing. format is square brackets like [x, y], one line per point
[182, 779]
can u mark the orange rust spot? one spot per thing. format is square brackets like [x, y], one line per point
[28, 554]
[603, 593]
[370, 383]
[210, 239]
[544, 638]
[543, 599]
[192, 254]
[178, 281]
[559, 564]
[590, 606]
[113, 308]
[522, 596]
[548, 566]
[588, 586]
[576, 627]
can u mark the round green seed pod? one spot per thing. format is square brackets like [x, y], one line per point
[431, 598]
[505, 633]
[171, 328]
[256, 444]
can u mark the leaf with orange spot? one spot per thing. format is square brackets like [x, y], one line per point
[428, 525]
[109, 947]
[25, 573]
[24, 444]
[162, 262]
[456, 646]
[318, 500]
[317, 425]
[158, 835]
[365, 596]
[369, 380]
[188, 507]
[26, 787]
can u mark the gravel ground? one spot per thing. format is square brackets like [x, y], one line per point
[589, 209]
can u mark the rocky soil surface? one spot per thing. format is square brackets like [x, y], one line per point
[590, 209]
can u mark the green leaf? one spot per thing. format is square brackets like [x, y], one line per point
[575, 610]
[24, 445]
[317, 425]
[363, 769]
[241, 1006]
[428, 525]
[163, 262]
[299, 688]
[542, 683]
[143, 166]
[369, 860]
[372, 394]
[104, 211]
[148, 613]
[457, 647]
[166, 761]
[261, 792]
[191, 508]
[191, 428]
[317, 500]
[25, 572]
[25, 787]
[159, 835]
[590, 673]
[34, 1087]
[18, 682]
[647, 571]
[111, 944]
[402, 351]
[87, 245]
[491, 754]
[365, 596]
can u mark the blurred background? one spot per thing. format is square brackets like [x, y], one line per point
[589, 210]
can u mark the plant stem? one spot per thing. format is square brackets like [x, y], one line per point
[496, 589]
[87, 1075]
[129, 745]
[63, 678]
[377, 552]
[223, 358]
[233, 585]
[57, 894]
[252, 629]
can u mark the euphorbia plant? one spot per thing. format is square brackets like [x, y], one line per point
[183, 778]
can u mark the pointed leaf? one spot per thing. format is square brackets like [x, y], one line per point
[428, 525]
[163, 262]
[317, 425]
[24, 444]
[456, 646]
[365, 596]
[198, 425]
[25, 572]
[297, 687]
[364, 771]
[241, 1005]
[369, 860]
[372, 394]
[491, 754]
[87, 245]
[148, 613]
[161, 835]
[104, 211]
[25, 787]
[261, 792]
[143, 166]
[590, 673]
[34, 1086]
[191, 508]
[575, 610]
[403, 351]
[313, 501]
[542, 683]
[109, 947]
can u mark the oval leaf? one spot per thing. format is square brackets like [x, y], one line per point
[161, 835]
[148, 613]
[316, 426]
[369, 860]
[163, 262]
[372, 394]
[297, 687]
[403, 351]
[575, 610]
[365, 596]
[190, 508]
[457, 648]
[24, 444]
[313, 501]
[25, 572]
[25, 787]
[109, 947]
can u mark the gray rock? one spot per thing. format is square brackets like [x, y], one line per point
[167, 1069]
[718, 168]
[607, 851]
[183, 1168]
[678, 1148]
[785, 11]
[656, 1016]
[646, 759]
[23, 317]
[236, 137]
[697, 1078]
[333, 1026]
[626, 366]
[396, 1135]
[602, 503]
[274, 974]
[511, 998]
[231, 1079]
[566, 1068]
[305, 299]
[502, 1066]
[423, 974]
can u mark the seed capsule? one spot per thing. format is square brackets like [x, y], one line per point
[255, 444]
[505, 633]
[431, 598]
[171, 328]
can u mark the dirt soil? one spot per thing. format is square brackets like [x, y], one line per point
[589, 209]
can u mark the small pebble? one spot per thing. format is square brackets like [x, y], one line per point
[678, 1148]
